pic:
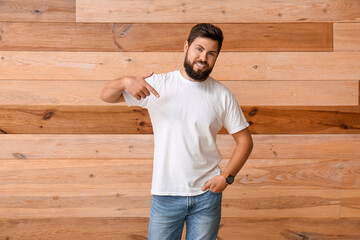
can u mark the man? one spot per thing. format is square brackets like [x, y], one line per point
[187, 109]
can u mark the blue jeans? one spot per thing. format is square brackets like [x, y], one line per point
[201, 214]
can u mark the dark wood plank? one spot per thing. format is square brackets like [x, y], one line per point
[303, 119]
[136, 229]
[37, 11]
[74, 119]
[161, 37]
[41, 119]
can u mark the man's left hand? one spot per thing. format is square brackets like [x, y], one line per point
[217, 184]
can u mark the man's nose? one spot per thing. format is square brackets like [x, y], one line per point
[203, 56]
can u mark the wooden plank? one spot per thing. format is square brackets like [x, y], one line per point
[229, 11]
[302, 173]
[350, 201]
[37, 11]
[312, 119]
[290, 229]
[98, 202]
[230, 66]
[57, 119]
[161, 37]
[106, 228]
[137, 173]
[120, 119]
[284, 203]
[113, 146]
[74, 173]
[294, 92]
[347, 37]
[66, 92]
[58, 202]
[136, 228]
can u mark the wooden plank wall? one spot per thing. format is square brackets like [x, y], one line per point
[73, 167]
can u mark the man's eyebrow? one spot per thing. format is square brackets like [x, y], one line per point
[198, 45]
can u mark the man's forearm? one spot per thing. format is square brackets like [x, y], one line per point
[240, 155]
[112, 90]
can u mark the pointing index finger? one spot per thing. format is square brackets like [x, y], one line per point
[152, 90]
[149, 87]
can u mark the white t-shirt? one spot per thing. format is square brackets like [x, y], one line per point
[185, 121]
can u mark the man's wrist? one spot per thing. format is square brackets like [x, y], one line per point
[228, 178]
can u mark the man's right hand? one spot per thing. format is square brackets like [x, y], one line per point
[138, 87]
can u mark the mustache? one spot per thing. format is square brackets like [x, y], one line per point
[201, 62]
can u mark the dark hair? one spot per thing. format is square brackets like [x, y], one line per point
[206, 30]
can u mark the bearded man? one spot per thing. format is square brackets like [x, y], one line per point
[187, 109]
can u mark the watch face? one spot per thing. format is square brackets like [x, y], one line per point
[230, 179]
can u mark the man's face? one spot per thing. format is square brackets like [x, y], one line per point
[200, 58]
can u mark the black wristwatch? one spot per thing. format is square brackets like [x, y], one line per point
[229, 179]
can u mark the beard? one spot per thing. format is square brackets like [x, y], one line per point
[196, 75]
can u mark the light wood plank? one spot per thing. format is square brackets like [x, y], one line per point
[229, 11]
[137, 173]
[75, 228]
[99, 202]
[136, 228]
[110, 146]
[52, 92]
[350, 201]
[290, 229]
[287, 203]
[347, 37]
[161, 37]
[37, 11]
[120, 119]
[230, 66]
[295, 92]
[93, 173]
[299, 173]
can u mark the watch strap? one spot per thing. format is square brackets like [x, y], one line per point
[224, 174]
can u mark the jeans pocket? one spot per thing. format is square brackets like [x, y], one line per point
[219, 193]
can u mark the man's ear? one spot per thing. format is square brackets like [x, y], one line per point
[186, 46]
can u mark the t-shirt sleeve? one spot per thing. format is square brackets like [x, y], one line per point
[143, 102]
[235, 120]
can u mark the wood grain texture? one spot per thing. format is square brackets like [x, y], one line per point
[347, 37]
[78, 168]
[37, 11]
[229, 11]
[98, 202]
[136, 228]
[299, 173]
[110, 146]
[120, 119]
[350, 202]
[68, 92]
[102, 37]
[290, 229]
[230, 66]
[125, 174]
